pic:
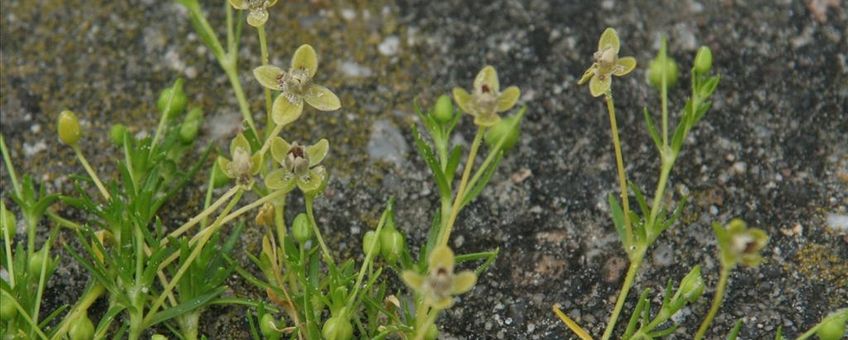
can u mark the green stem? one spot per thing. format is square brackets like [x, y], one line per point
[8, 243]
[667, 164]
[94, 292]
[210, 187]
[263, 45]
[198, 247]
[717, 300]
[444, 233]
[91, 172]
[622, 177]
[369, 256]
[324, 249]
[425, 326]
[42, 276]
[622, 296]
[205, 213]
[664, 94]
[9, 168]
[232, 75]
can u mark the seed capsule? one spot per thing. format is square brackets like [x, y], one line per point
[69, 128]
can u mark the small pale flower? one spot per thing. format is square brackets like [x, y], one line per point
[440, 284]
[486, 99]
[258, 10]
[244, 164]
[740, 244]
[300, 166]
[607, 63]
[296, 86]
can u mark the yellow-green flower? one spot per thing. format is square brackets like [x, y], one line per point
[486, 100]
[740, 244]
[300, 166]
[258, 14]
[440, 284]
[244, 164]
[607, 63]
[296, 87]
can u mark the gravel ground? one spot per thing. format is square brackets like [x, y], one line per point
[773, 150]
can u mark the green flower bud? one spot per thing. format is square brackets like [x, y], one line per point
[82, 328]
[503, 129]
[703, 60]
[172, 100]
[268, 327]
[7, 308]
[301, 229]
[391, 244]
[692, 286]
[432, 332]
[337, 328]
[656, 69]
[443, 110]
[36, 261]
[158, 337]
[191, 125]
[371, 239]
[833, 329]
[8, 223]
[69, 128]
[117, 133]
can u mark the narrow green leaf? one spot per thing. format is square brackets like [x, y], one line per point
[663, 332]
[708, 87]
[640, 198]
[652, 129]
[453, 163]
[484, 179]
[617, 218]
[734, 332]
[426, 152]
[185, 307]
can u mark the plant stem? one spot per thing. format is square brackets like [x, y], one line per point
[324, 249]
[91, 172]
[717, 300]
[210, 187]
[444, 233]
[369, 256]
[205, 213]
[263, 45]
[89, 297]
[622, 177]
[664, 93]
[431, 318]
[232, 75]
[7, 241]
[667, 164]
[635, 263]
[571, 324]
[9, 168]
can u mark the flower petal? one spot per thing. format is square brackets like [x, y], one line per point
[598, 87]
[488, 77]
[413, 280]
[487, 120]
[284, 111]
[588, 74]
[257, 17]
[624, 66]
[463, 282]
[508, 98]
[443, 303]
[280, 179]
[269, 76]
[441, 257]
[317, 152]
[305, 58]
[271, 3]
[255, 163]
[311, 182]
[224, 165]
[239, 142]
[609, 39]
[322, 98]
[279, 149]
[239, 4]
[463, 99]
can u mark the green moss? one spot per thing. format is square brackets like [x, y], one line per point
[819, 262]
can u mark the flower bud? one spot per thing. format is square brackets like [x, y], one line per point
[337, 328]
[391, 244]
[301, 229]
[833, 329]
[7, 308]
[82, 328]
[191, 125]
[268, 327]
[8, 223]
[703, 60]
[265, 216]
[69, 128]
[692, 286]
[172, 100]
[36, 261]
[503, 129]
[370, 240]
[158, 337]
[656, 69]
[116, 134]
[443, 110]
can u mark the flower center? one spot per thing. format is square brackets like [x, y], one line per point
[254, 5]
[440, 282]
[241, 164]
[485, 99]
[297, 160]
[293, 84]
